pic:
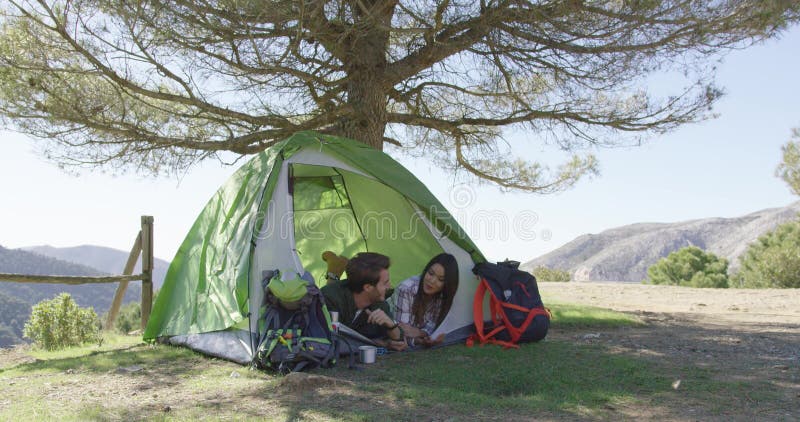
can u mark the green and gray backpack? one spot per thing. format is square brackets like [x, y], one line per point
[295, 326]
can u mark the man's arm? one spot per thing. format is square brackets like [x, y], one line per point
[393, 330]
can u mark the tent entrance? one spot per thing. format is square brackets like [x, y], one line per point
[347, 213]
[323, 217]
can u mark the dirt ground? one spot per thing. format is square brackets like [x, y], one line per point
[780, 306]
[746, 336]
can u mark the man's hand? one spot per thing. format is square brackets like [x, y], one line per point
[378, 317]
[336, 263]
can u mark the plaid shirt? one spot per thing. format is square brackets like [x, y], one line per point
[405, 300]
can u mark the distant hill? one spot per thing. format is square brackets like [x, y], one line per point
[624, 253]
[109, 260]
[16, 299]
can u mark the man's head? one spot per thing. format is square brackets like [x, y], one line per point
[369, 272]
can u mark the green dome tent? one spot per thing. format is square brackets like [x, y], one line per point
[281, 210]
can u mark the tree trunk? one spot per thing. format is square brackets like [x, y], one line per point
[368, 122]
[366, 93]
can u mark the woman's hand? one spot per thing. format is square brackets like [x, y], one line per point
[427, 341]
[412, 331]
[397, 345]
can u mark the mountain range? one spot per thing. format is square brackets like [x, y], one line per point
[624, 253]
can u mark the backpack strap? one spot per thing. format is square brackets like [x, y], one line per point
[516, 332]
[271, 319]
[477, 315]
[338, 340]
[496, 314]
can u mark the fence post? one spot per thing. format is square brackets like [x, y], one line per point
[147, 268]
[136, 250]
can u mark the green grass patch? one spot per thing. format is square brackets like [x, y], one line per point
[487, 381]
[110, 341]
[118, 352]
[571, 315]
[106, 361]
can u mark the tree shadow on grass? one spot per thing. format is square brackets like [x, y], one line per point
[551, 379]
[123, 360]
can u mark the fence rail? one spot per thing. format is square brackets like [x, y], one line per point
[143, 245]
[63, 279]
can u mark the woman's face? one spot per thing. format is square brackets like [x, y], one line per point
[434, 280]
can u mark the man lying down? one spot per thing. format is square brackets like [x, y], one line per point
[360, 299]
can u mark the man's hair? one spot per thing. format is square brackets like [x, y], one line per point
[365, 268]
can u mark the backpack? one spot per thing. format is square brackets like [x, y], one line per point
[516, 308]
[296, 325]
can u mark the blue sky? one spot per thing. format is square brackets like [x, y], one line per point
[718, 168]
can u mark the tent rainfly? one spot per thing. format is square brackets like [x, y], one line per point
[305, 195]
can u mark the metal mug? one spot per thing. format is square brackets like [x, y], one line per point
[367, 354]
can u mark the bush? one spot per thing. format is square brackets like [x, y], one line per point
[59, 323]
[789, 168]
[129, 318]
[543, 273]
[773, 260]
[691, 267]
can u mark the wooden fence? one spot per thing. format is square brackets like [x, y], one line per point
[143, 245]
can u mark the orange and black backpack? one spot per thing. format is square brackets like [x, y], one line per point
[517, 313]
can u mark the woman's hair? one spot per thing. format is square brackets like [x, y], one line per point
[421, 300]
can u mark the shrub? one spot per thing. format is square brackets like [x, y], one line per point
[789, 167]
[773, 260]
[129, 318]
[691, 267]
[543, 273]
[59, 323]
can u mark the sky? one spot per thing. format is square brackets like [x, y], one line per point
[718, 168]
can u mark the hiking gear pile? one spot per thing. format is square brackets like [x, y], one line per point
[296, 325]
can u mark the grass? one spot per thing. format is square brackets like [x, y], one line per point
[126, 380]
[567, 315]
[551, 377]
[110, 341]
